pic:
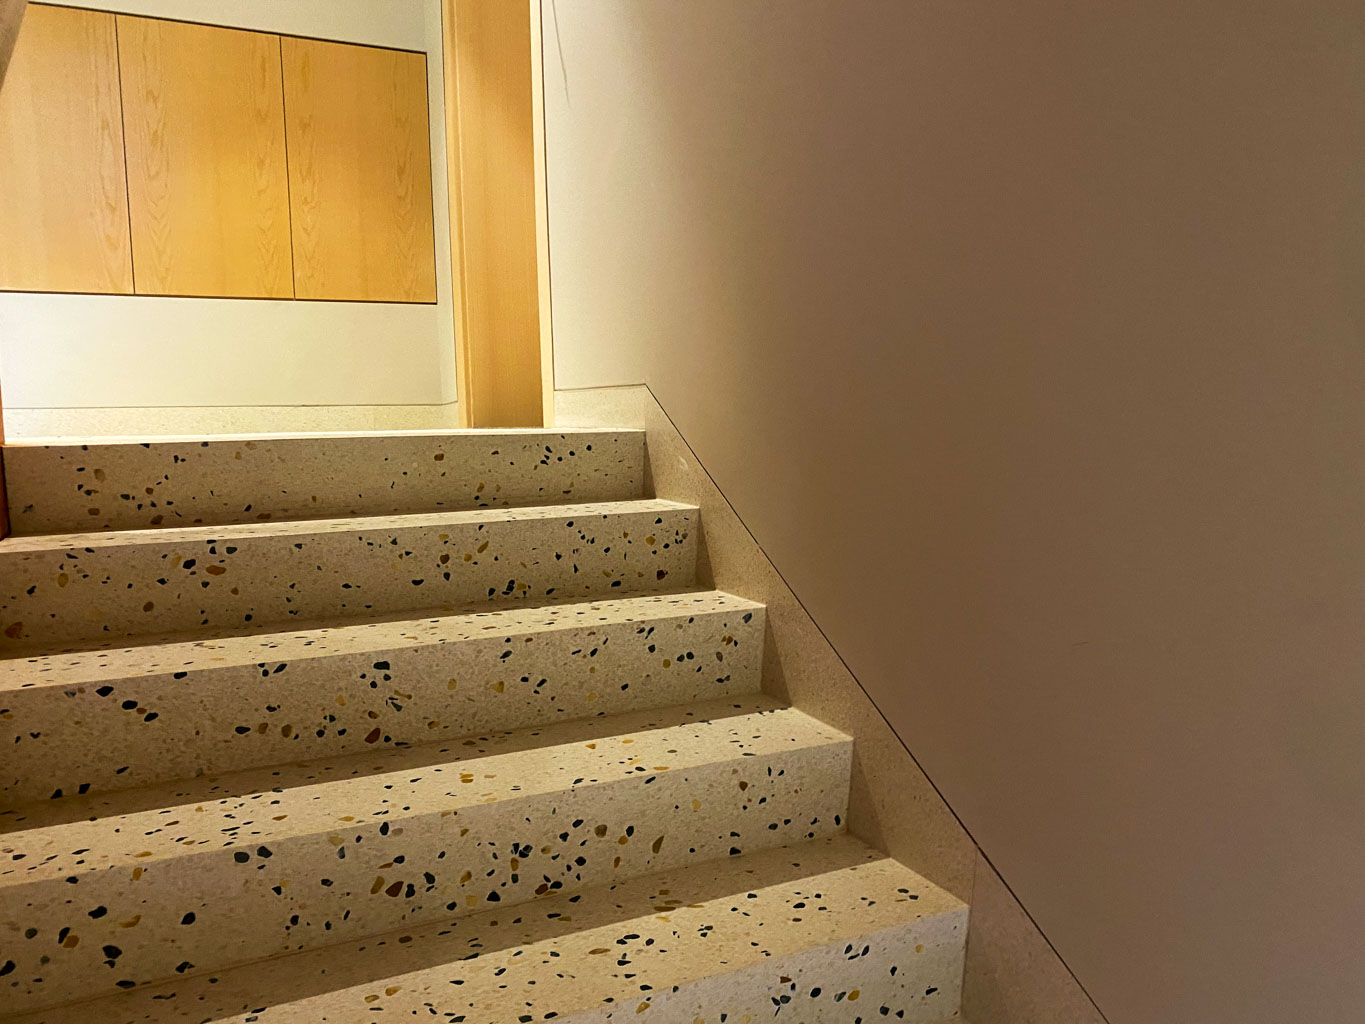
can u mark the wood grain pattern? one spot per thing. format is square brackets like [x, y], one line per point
[490, 115]
[359, 172]
[63, 203]
[207, 178]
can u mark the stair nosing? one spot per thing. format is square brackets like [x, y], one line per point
[43, 543]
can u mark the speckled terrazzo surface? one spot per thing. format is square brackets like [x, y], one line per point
[421, 761]
[354, 848]
[827, 930]
[131, 485]
[98, 720]
[82, 588]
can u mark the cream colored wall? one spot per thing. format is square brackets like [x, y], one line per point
[59, 351]
[1028, 339]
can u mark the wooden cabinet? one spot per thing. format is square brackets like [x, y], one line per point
[167, 158]
[359, 172]
[203, 113]
[63, 199]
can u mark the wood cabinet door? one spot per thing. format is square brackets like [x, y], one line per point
[63, 198]
[208, 182]
[359, 172]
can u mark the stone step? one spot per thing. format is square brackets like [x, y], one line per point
[129, 485]
[822, 931]
[86, 589]
[96, 721]
[194, 877]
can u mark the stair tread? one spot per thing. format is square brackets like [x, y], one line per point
[137, 828]
[147, 483]
[117, 588]
[113, 440]
[295, 527]
[95, 666]
[109, 720]
[25, 652]
[794, 920]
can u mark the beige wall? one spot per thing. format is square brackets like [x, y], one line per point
[1029, 339]
[78, 351]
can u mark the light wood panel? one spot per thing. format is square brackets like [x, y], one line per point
[207, 178]
[359, 172]
[63, 204]
[495, 237]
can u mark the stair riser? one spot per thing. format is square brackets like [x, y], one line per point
[81, 738]
[825, 985]
[129, 486]
[698, 814]
[112, 592]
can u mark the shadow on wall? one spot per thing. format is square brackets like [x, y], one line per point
[1027, 341]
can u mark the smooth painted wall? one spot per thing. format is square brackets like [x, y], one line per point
[1029, 339]
[60, 351]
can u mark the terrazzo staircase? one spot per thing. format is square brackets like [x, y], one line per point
[360, 728]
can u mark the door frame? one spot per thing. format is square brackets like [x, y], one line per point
[499, 232]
